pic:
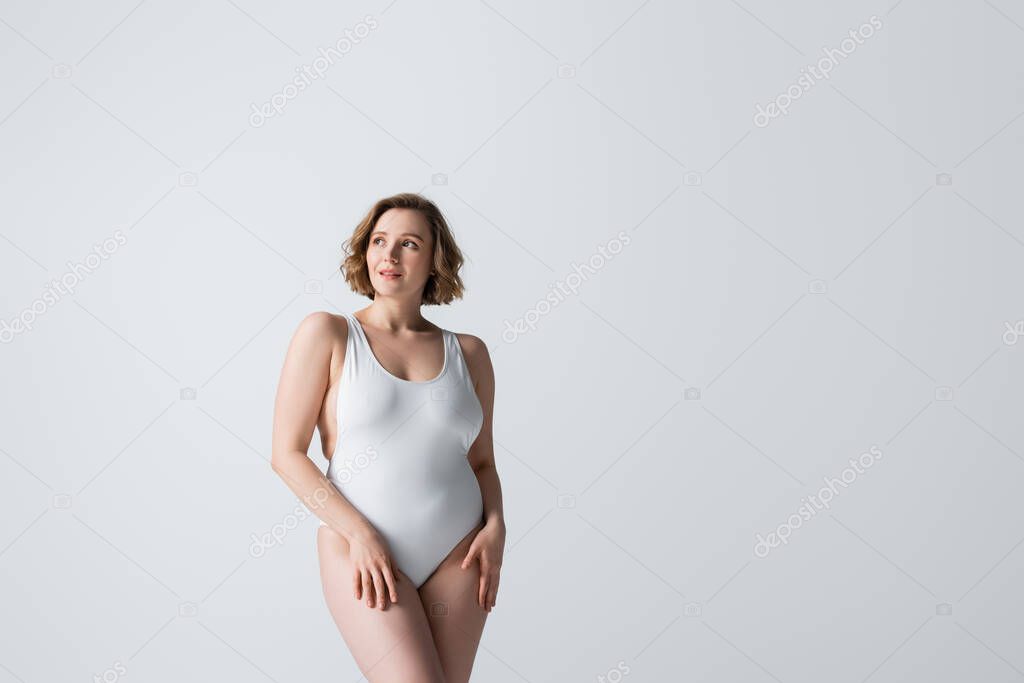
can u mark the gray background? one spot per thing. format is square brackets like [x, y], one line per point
[817, 285]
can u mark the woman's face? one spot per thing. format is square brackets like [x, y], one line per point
[403, 244]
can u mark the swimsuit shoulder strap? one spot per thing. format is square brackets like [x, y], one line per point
[357, 347]
[458, 363]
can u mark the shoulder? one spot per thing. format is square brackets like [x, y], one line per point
[472, 346]
[478, 358]
[320, 328]
[478, 362]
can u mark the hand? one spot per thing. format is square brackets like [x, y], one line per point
[372, 571]
[488, 547]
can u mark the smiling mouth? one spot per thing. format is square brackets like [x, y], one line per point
[390, 274]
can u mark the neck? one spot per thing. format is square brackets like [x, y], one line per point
[395, 315]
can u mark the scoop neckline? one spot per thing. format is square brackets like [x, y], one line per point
[444, 365]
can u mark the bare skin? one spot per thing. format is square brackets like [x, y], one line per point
[433, 638]
[394, 631]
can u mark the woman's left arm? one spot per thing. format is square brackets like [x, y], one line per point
[489, 544]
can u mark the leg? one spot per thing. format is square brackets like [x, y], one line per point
[456, 619]
[389, 646]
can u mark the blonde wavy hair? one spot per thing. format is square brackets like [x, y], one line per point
[443, 286]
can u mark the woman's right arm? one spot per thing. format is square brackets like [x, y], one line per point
[300, 395]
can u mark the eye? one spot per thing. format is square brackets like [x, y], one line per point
[411, 242]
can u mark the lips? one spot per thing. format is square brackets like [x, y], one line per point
[390, 274]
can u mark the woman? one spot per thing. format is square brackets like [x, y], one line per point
[412, 529]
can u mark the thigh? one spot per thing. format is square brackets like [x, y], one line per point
[456, 619]
[393, 644]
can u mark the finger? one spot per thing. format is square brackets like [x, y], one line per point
[357, 585]
[389, 578]
[487, 594]
[491, 593]
[367, 588]
[378, 587]
[482, 591]
[469, 556]
[495, 582]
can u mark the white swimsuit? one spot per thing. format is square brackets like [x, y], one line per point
[401, 453]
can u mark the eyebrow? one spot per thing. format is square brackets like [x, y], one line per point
[404, 234]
